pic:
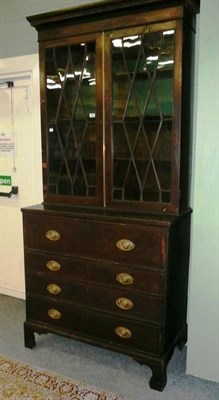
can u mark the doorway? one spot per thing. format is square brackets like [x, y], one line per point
[20, 163]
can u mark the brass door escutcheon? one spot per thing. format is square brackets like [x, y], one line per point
[124, 279]
[54, 314]
[124, 304]
[54, 289]
[125, 245]
[53, 265]
[53, 235]
[123, 332]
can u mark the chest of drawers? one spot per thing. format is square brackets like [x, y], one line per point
[108, 281]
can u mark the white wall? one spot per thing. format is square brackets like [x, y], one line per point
[203, 319]
[17, 37]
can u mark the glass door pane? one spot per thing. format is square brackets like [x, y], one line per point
[71, 119]
[142, 109]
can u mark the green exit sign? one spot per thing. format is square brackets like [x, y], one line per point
[5, 180]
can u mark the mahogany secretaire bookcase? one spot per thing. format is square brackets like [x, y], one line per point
[107, 253]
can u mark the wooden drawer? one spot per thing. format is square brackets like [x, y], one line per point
[122, 276]
[111, 300]
[142, 245]
[95, 326]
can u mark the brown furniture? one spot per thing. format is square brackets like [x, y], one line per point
[107, 253]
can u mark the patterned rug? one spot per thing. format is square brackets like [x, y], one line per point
[20, 381]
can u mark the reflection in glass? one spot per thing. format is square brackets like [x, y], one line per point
[142, 104]
[71, 112]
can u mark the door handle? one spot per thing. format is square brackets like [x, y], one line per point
[14, 190]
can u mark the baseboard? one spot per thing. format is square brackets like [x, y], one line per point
[12, 293]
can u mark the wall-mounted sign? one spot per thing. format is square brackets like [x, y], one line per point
[5, 180]
[7, 144]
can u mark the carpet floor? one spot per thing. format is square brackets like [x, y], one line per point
[19, 381]
[111, 371]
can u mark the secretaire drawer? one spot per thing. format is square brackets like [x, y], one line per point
[128, 243]
[126, 277]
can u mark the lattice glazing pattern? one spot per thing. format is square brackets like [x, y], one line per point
[142, 85]
[71, 119]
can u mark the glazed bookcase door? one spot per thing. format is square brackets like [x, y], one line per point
[72, 120]
[142, 116]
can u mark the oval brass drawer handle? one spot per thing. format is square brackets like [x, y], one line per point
[123, 332]
[124, 304]
[53, 235]
[54, 314]
[125, 245]
[124, 279]
[54, 289]
[53, 265]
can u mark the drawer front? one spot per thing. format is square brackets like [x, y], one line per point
[94, 326]
[125, 277]
[111, 300]
[124, 243]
